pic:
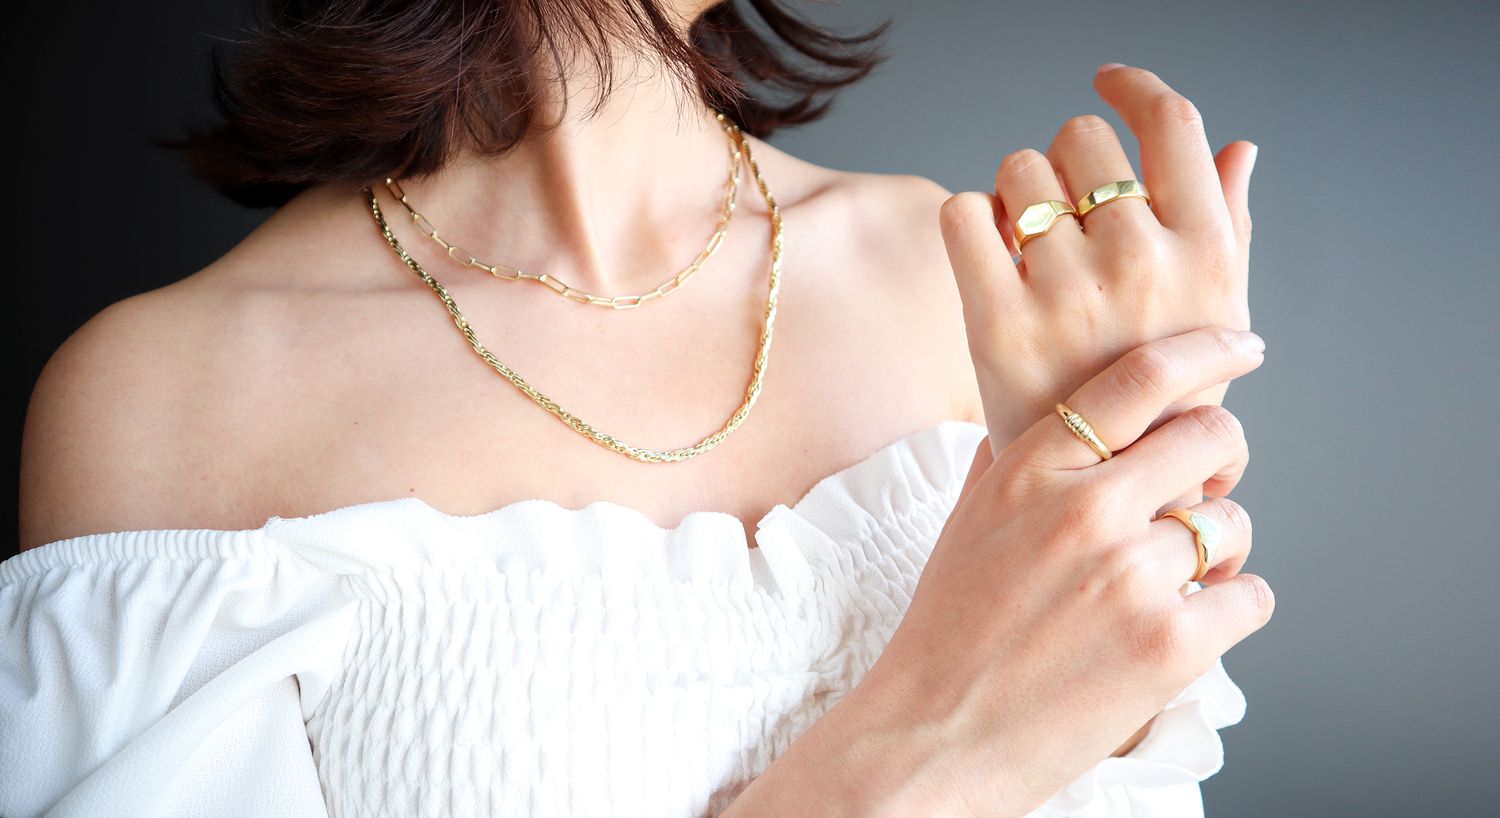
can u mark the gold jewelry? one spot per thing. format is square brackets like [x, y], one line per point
[1205, 534]
[1038, 219]
[1081, 428]
[618, 302]
[752, 392]
[1112, 192]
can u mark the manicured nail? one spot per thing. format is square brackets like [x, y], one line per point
[1254, 152]
[1250, 342]
[1109, 66]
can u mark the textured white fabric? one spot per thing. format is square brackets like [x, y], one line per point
[388, 659]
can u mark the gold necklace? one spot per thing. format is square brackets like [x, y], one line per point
[752, 392]
[618, 302]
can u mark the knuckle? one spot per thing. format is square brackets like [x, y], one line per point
[1014, 487]
[1072, 525]
[1087, 514]
[1076, 523]
[1134, 572]
[1139, 256]
[1234, 515]
[1021, 163]
[1219, 252]
[1262, 600]
[1175, 110]
[1225, 338]
[1085, 130]
[1219, 423]
[1159, 636]
[1147, 370]
[962, 210]
[1099, 493]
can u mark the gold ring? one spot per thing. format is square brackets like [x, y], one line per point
[1081, 428]
[1038, 219]
[1205, 534]
[1114, 191]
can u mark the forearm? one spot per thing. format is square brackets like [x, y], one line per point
[857, 760]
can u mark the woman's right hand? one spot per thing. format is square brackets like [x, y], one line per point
[1049, 622]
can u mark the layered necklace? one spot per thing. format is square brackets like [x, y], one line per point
[738, 146]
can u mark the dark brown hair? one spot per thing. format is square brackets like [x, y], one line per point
[355, 90]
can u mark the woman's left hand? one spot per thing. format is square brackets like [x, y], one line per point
[1127, 273]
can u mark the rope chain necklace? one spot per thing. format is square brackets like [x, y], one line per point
[758, 368]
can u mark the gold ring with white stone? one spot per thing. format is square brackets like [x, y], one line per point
[1114, 191]
[1205, 534]
[1038, 219]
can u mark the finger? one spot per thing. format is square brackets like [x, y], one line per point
[1026, 178]
[1235, 164]
[1173, 544]
[988, 282]
[1176, 161]
[1202, 444]
[1087, 154]
[1221, 615]
[1130, 394]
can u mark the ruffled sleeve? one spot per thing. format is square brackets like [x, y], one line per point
[164, 672]
[1159, 777]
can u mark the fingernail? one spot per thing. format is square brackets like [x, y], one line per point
[1250, 342]
[1254, 152]
[1109, 66]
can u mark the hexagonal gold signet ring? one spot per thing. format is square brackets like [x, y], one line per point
[1038, 219]
[1112, 192]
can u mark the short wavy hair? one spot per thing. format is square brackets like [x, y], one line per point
[355, 90]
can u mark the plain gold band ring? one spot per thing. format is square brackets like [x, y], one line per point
[1112, 192]
[1083, 431]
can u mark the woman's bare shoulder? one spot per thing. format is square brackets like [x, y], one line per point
[120, 421]
[150, 413]
[893, 245]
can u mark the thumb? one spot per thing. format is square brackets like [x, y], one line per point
[1235, 164]
[1224, 613]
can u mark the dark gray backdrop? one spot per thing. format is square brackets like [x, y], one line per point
[1373, 482]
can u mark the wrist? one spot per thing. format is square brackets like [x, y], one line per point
[856, 761]
[900, 752]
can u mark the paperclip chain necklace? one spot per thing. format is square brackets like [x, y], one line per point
[758, 369]
[619, 302]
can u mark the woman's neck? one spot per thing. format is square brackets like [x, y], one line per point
[613, 204]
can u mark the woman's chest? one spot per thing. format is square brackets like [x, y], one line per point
[432, 419]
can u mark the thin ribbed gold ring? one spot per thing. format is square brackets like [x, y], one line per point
[1083, 431]
[1112, 192]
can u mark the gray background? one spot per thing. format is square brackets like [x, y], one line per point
[1373, 481]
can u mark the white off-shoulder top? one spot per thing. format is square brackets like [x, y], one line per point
[389, 659]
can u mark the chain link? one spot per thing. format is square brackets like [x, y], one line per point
[618, 302]
[758, 369]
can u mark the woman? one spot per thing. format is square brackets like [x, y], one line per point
[288, 552]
